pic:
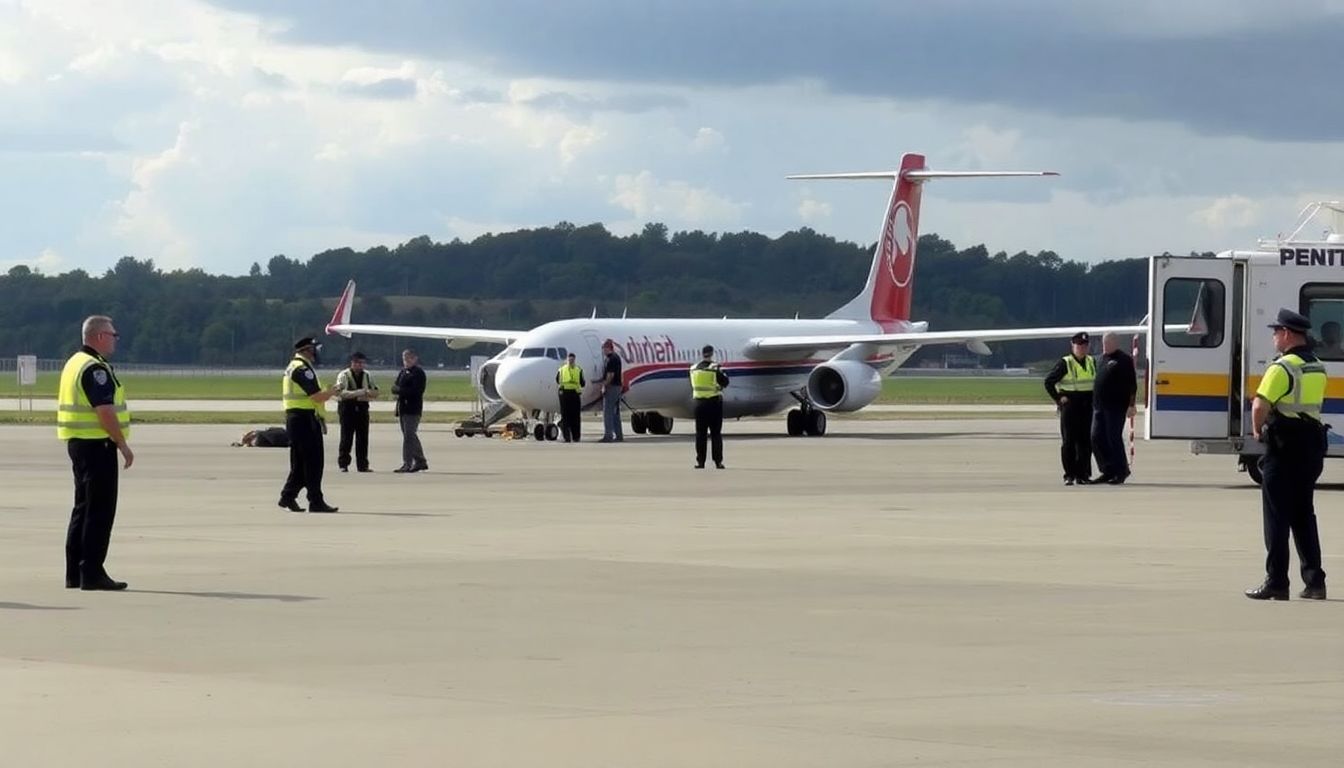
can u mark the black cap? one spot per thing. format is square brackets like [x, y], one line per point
[708, 349]
[305, 342]
[1081, 337]
[358, 356]
[1292, 321]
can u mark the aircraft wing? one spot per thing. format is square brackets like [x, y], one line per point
[457, 337]
[805, 343]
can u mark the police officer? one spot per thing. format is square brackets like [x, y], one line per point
[355, 388]
[303, 395]
[1069, 384]
[570, 381]
[1286, 417]
[92, 418]
[707, 383]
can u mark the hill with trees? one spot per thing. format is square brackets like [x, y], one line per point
[523, 278]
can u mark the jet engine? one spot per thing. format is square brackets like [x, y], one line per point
[487, 381]
[843, 385]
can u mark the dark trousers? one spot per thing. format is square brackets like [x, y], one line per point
[1287, 497]
[412, 451]
[570, 404]
[305, 456]
[1108, 441]
[86, 539]
[709, 428]
[354, 429]
[1075, 426]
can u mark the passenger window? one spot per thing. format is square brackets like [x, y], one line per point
[1193, 310]
[1323, 304]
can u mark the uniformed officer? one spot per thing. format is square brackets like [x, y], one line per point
[355, 388]
[92, 418]
[1069, 384]
[707, 383]
[571, 383]
[303, 396]
[1286, 417]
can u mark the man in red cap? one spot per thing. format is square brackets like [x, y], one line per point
[611, 394]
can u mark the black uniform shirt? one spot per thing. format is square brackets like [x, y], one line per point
[1116, 382]
[612, 372]
[98, 381]
[306, 378]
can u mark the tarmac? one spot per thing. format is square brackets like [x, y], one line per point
[921, 593]
[466, 406]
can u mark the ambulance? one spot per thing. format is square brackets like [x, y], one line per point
[1208, 340]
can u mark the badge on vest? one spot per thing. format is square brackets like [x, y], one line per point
[100, 377]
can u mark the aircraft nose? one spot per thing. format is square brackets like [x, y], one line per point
[523, 383]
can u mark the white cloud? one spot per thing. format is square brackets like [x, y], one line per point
[48, 262]
[1233, 211]
[576, 140]
[709, 140]
[813, 212]
[651, 200]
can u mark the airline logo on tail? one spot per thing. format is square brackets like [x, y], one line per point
[898, 244]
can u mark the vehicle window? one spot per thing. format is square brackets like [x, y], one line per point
[550, 352]
[1193, 310]
[534, 352]
[1323, 304]
[563, 354]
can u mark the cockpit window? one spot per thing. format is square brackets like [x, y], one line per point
[534, 352]
[550, 352]
[512, 352]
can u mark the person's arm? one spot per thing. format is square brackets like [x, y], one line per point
[342, 384]
[307, 381]
[582, 382]
[721, 377]
[419, 383]
[1054, 377]
[1274, 385]
[100, 387]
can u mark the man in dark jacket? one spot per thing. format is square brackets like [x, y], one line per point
[409, 389]
[1112, 403]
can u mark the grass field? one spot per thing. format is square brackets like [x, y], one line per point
[901, 389]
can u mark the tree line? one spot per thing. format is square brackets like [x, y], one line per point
[520, 279]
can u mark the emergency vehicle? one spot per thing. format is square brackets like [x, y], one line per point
[1208, 340]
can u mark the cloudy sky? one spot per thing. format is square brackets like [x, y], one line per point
[216, 134]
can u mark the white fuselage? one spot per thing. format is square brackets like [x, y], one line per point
[657, 355]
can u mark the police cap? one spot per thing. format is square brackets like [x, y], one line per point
[305, 342]
[358, 356]
[1081, 337]
[707, 350]
[1292, 321]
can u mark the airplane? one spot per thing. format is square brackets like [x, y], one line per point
[809, 367]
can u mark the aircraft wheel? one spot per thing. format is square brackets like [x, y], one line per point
[458, 432]
[795, 422]
[815, 423]
[539, 432]
[552, 432]
[667, 425]
[639, 422]
[659, 424]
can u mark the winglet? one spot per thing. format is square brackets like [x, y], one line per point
[342, 314]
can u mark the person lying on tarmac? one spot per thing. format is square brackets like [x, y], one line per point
[263, 437]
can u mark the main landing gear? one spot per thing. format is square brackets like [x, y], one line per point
[806, 420]
[651, 422]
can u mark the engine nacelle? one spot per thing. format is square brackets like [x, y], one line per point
[487, 381]
[843, 385]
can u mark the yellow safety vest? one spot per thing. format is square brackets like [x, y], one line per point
[1307, 394]
[290, 394]
[569, 378]
[1080, 375]
[76, 417]
[705, 382]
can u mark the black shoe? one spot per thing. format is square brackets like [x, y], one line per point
[420, 468]
[1102, 478]
[104, 584]
[323, 507]
[1085, 481]
[403, 469]
[72, 583]
[1313, 593]
[718, 465]
[345, 469]
[1068, 481]
[291, 505]
[1117, 480]
[1266, 592]
[699, 465]
[364, 469]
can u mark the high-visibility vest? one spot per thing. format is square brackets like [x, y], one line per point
[291, 395]
[75, 416]
[705, 382]
[1080, 376]
[569, 378]
[1307, 394]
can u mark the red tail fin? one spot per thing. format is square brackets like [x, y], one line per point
[893, 272]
